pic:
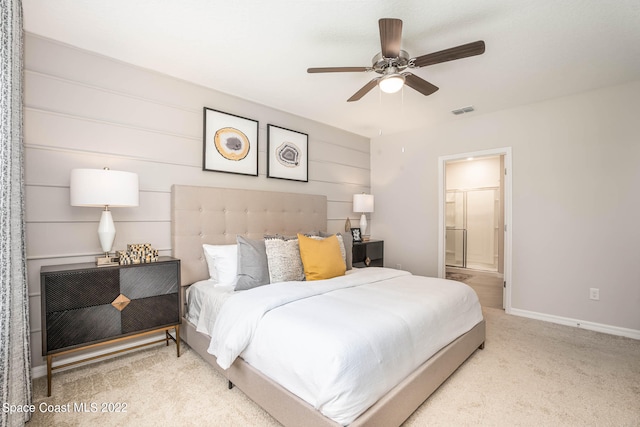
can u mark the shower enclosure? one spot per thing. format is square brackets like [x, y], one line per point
[472, 225]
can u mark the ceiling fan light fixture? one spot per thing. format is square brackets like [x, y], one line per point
[391, 62]
[391, 83]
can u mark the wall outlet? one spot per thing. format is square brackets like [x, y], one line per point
[594, 294]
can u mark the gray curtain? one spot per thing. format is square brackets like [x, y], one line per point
[15, 353]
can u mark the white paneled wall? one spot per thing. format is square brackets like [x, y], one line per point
[84, 110]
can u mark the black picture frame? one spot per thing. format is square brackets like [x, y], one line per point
[287, 154]
[230, 143]
[356, 234]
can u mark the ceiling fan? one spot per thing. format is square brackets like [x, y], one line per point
[392, 62]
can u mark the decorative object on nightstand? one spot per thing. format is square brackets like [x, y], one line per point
[363, 203]
[137, 253]
[85, 306]
[104, 188]
[368, 254]
[347, 225]
[356, 235]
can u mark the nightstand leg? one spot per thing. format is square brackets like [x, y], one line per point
[49, 362]
[178, 339]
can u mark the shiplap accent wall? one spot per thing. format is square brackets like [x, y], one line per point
[84, 110]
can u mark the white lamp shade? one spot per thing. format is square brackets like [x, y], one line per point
[363, 203]
[103, 187]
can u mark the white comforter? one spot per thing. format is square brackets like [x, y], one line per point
[341, 344]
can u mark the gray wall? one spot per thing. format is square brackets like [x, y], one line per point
[83, 110]
[575, 205]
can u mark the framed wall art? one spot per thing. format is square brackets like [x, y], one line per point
[230, 143]
[287, 154]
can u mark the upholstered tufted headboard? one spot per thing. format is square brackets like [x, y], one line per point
[216, 215]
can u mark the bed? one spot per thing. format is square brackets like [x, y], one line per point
[207, 215]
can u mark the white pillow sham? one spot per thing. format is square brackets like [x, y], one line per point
[222, 261]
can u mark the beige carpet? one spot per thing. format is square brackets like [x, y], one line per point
[531, 373]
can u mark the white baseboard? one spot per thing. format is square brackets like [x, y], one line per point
[41, 370]
[598, 327]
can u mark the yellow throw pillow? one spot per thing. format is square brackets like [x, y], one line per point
[321, 258]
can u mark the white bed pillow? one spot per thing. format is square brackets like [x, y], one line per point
[222, 261]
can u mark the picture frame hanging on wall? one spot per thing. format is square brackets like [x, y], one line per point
[230, 143]
[287, 154]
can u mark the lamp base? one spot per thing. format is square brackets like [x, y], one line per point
[107, 260]
[363, 228]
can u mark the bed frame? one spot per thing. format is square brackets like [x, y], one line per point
[215, 216]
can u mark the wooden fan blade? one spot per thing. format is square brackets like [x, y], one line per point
[365, 89]
[419, 84]
[458, 52]
[338, 69]
[390, 36]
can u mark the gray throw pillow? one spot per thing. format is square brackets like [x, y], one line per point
[253, 270]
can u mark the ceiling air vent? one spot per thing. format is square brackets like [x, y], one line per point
[463, 110]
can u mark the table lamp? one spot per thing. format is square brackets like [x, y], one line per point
[363, 203]
[104, 188]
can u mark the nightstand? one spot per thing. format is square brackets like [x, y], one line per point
[368, 254]
[85, 306]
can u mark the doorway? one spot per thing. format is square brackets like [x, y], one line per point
[474, 212]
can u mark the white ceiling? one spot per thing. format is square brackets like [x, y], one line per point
[260, 50]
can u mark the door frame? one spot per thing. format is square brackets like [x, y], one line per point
[442, 160]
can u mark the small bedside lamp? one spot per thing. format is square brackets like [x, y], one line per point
[363, 203]
[104, 188]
